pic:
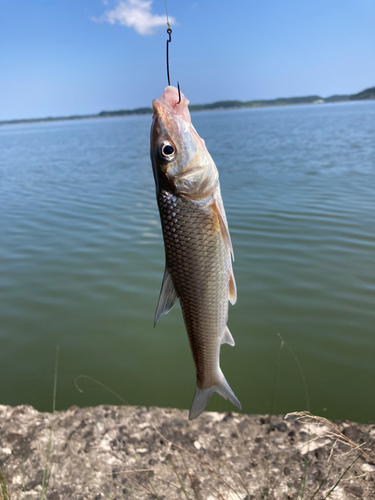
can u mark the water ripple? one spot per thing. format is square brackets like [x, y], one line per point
[81, 259]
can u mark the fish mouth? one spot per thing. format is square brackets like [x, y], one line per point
[168, 105]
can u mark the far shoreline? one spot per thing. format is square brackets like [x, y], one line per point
[365, 95]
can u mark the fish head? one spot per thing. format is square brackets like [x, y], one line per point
[179, 156]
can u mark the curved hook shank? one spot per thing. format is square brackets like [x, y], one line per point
[169, 31]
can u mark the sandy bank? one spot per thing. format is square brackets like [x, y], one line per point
[135, 453]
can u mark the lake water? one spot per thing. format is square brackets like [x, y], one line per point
[82, 258]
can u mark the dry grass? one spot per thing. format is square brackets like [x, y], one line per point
[331, 432]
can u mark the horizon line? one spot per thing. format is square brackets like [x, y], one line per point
[366, 94]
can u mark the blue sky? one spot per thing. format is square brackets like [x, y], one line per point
[63, 57]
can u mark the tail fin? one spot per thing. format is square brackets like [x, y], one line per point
[201, 398]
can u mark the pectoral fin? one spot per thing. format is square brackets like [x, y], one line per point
[167, 298]
[219, 207]
[232, 289]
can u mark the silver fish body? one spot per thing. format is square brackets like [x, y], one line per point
[197, 244]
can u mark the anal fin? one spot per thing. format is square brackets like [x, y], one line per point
[167, 297]
[227, 337]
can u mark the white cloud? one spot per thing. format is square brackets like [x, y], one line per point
[135, 14]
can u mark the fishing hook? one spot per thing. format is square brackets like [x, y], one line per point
[169, 31]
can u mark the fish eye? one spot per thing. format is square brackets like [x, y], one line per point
[166, 150]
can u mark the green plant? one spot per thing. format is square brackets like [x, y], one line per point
[4, 495]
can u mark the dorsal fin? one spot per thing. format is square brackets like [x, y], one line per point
[167, 297]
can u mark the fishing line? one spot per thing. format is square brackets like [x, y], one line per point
[166, 11]
[169, 31]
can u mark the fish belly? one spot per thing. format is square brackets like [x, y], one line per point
[199, 265]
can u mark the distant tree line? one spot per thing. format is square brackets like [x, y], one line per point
[281, 101]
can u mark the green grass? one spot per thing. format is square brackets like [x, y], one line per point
[48, 466]
[4, 495]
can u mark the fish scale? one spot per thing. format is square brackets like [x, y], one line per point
[191, 235]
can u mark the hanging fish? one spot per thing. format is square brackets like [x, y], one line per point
[198, 249]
